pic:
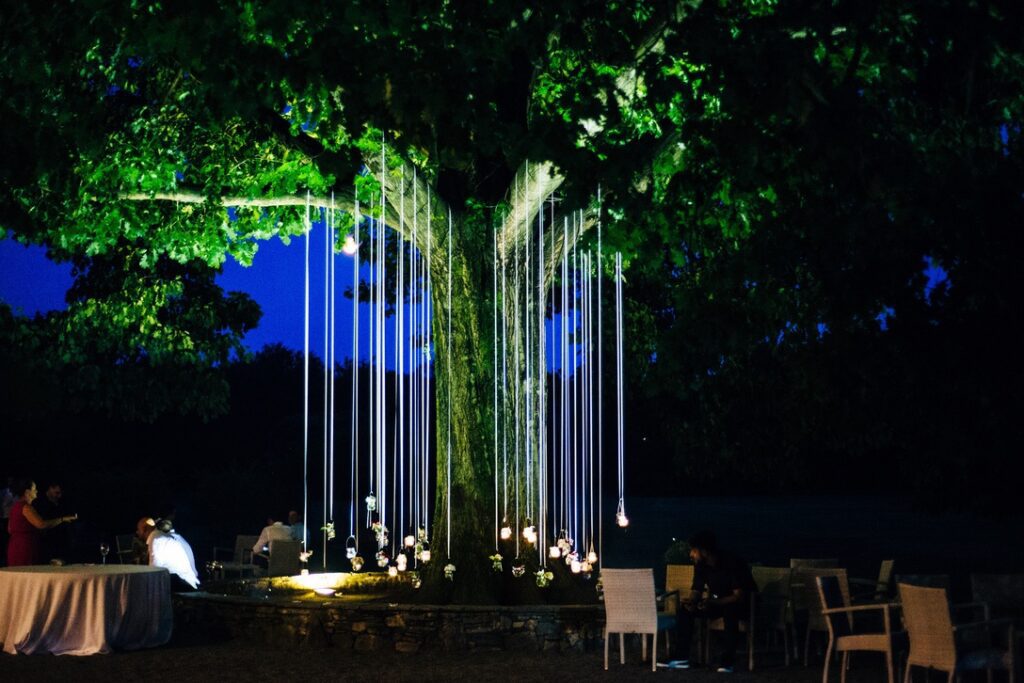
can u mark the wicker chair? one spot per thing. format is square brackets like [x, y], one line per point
[284, 558]
[241, 558]
[774, 611]
[678, 581]
[936, 643]
[843, 634]
[1003, 593]
[813, 563]
[807, 603]
[874, 590]
[630, 607]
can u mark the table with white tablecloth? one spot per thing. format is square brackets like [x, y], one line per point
[84, 609]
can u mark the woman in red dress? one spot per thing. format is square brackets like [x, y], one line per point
[24, 527]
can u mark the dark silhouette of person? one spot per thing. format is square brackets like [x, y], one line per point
[722, 584]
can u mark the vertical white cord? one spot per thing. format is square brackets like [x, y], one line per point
[354, 465]
[600, 395]
[494, 369]
[448, 488]
[333, 262]
[305, 390]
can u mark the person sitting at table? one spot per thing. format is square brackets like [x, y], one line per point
[297, 529]
[275, 531]
[722, 584]
[25, 524]
[169, 550]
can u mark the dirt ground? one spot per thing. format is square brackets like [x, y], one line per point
[190, 660]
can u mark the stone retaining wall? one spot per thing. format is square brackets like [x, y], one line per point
[366, 626]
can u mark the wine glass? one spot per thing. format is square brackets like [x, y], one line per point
[104, 549]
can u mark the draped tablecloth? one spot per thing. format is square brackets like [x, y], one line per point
[84, 610]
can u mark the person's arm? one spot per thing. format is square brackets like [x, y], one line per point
[38, 522]
[737, 595]
[262, 541]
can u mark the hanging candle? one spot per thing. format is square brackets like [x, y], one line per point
[410, 541]
[554, 553]
[506, 531]
[350, 246]
[371, 503]
[530, 534]
[392, 570]
[592, 556]
[620, 514]
[575, 566]
[586, 567]
[425, 556]
[402, 561]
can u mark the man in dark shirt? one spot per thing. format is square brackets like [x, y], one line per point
[56, 542]
[722, 584]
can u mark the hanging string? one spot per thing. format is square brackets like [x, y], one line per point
[600, 394]
[448, 488]
[494, 269]
[327, 304]
[305, 387]
[401, 521]
[354, 454]
[621, 512]
[528, 389]
[333, 262]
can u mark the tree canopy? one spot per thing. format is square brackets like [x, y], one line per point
[776, 174]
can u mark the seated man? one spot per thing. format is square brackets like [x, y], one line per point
[722, 584]
[275, 531]
[169, 550]
[298, 530]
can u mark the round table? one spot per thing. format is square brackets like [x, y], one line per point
[84, 609]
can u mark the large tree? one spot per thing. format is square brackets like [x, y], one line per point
[744, 149]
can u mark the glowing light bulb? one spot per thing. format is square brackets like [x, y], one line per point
[592, 557]
[392, 570]
[621, 519]
[575, 566]
[402, 561]
[350, 552]
[350, 247]
[410, 541]
[425, 556]
[554, 552]
[586, 567]
[530, 534]
[506, 532]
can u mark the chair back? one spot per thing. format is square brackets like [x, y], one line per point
[1003, 593]
[882, 588]
[926, 580]
[774, 593]
[926, 617]
[678, 577]
[284, 558]
[124, 548]
[243, 548]
[805, 593]
[813, 562]
[629, 602]
[831, 594]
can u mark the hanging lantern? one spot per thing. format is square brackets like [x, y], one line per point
[530, 532]
[554, 553]
[410, 541]
[371, 503]
[350, 547]
[620, 514]
[402, 561]
[592, 556]
[506, 531]
[357, 563]
[392, 570]
[575, 566]
[425, 556]
[586, 567]
[572, 557]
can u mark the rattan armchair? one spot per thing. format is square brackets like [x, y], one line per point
[936, 643]
[843, 633]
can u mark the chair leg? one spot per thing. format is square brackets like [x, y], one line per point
[654, 651]
[750, 648]
[622, 648]
[888, 666]
[845, 667]
[643, 647]
[906, 673]
[606, 649]
[807, 647]
[828, 660]
[785, 642]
